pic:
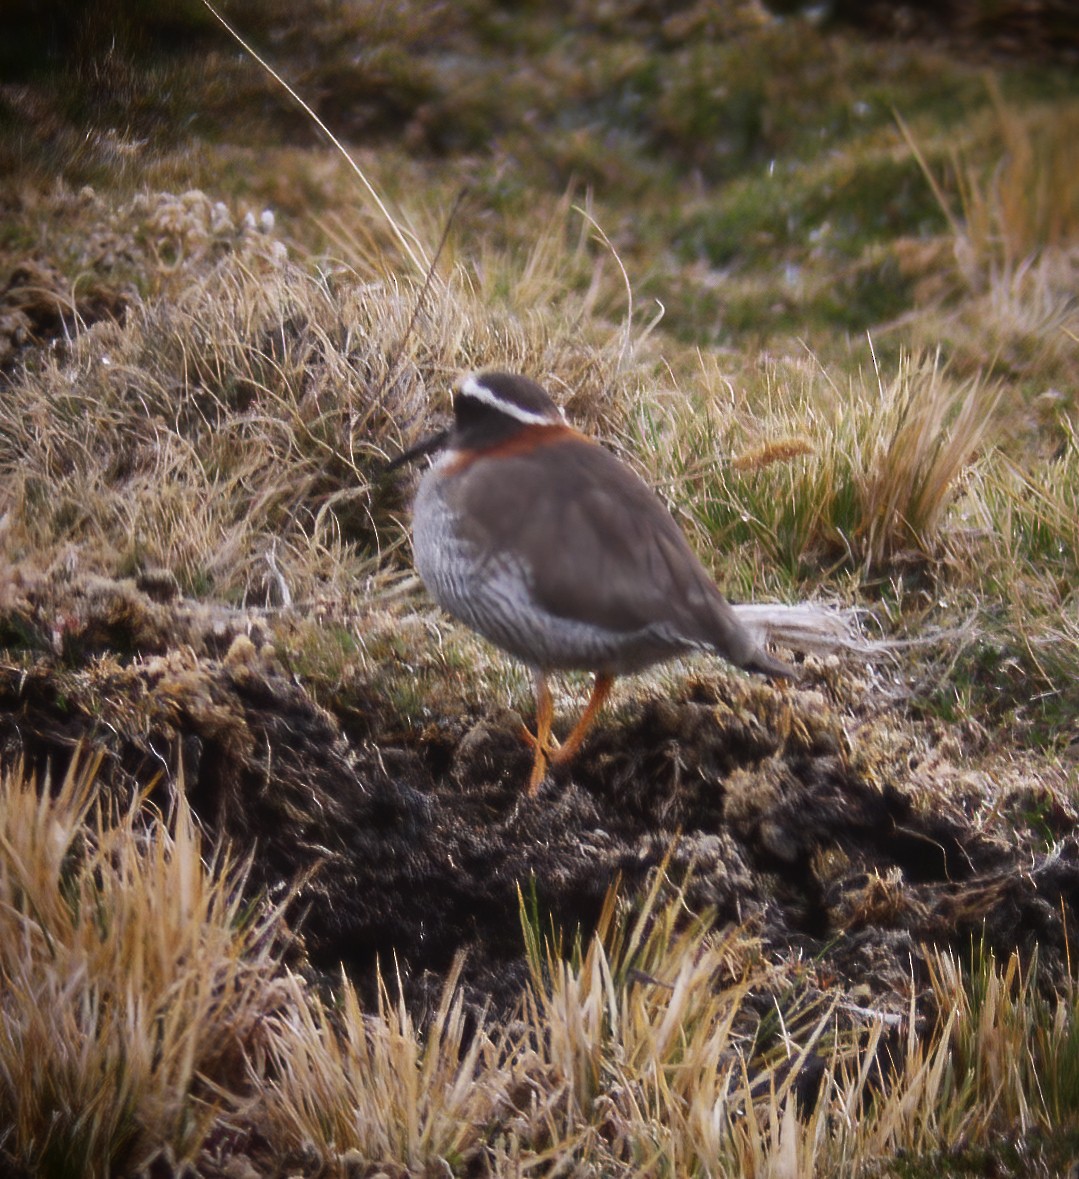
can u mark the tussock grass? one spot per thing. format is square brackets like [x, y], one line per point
[648, 1050]
[661, 1044]
[862, 476]
[135, 978]
[604, 1064]
[1013, 217]
[246, 407]
[372, 1085]
[895, 463]
[1022, 206]
[1014, 1053]
[1040, 513]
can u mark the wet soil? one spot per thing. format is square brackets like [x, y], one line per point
[828, 830]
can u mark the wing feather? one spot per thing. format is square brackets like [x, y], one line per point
[602, 547]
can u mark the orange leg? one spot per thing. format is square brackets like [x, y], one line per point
[600, 691]
[541, 742]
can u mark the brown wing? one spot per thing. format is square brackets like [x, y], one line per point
[612, 554]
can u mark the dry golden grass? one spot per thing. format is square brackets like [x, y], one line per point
[623, 1057]
[896, 458]
[864, 475]
[1014, 230]
[660, 1045]
[135, 978]
[371, 1085]
[243, 411]
[1026, 204]
[642, 1051]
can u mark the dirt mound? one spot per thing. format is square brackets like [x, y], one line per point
[799, 811]
[38, 307]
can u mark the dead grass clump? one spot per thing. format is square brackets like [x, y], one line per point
[374, 1087]
[899, 466]
[234, 428]
[663, 1046]
[651, 1040]
[1013, 1051]
[1026, 204]
[135, 977]
[866, 476]
[145, 1012]
[1014, 223]
[612, 1042]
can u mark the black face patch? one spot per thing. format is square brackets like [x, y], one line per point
[494, 406]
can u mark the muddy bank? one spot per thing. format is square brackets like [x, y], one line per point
[811, 813]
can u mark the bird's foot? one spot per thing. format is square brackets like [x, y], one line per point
[545, 754]
[550, 747]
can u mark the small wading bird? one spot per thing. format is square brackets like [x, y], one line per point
[548, 546]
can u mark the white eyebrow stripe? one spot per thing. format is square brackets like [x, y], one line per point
[472, 387]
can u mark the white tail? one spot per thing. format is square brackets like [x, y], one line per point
[813, 629]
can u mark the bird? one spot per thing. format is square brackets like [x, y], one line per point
[542, 541]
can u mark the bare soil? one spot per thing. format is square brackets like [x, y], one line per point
[816, 814]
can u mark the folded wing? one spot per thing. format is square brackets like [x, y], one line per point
[613, 555]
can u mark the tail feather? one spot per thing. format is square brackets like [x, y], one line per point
[808, 628]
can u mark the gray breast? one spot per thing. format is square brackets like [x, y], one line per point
[488, 591]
